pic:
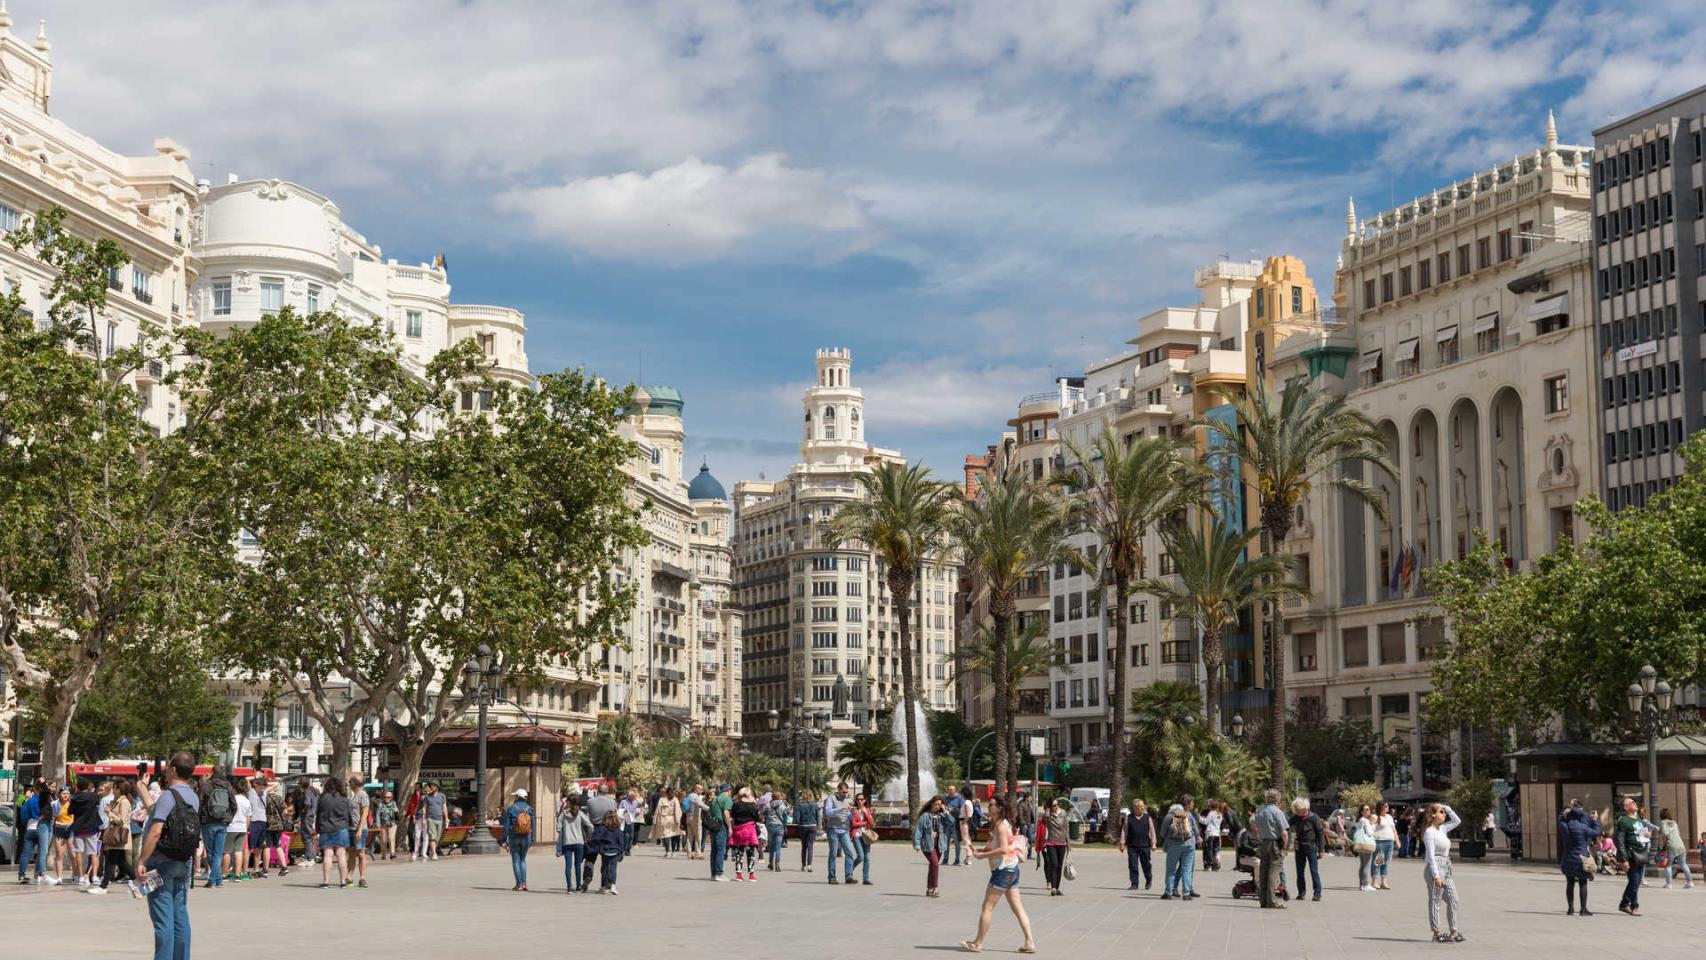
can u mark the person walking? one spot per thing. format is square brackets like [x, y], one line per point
[666, 822]
[1308, 840]
[85, 833]
[168, 849]
[414, 820]
[1213, 829]
[1633, 851]
[930, 832]
[862, 829]
[1005, 851]
[692, 822]
[332, 831]
[1025, 818]
[518, 836]
[1577, 831]
[1385, 843]
[573, 832]
[837, 823]
[1273, 835]
[1363, 845]
[437, 807]
[385, 818]
[1676, 849]
[1056, 843]
[964, 818]
[1436, 871]
[632, 810]
[1137, 842]
[776, 814]
[808, 816]
[115, 839]
[609, 843]
[1179, 840]
[956, 849]
[1404, 820]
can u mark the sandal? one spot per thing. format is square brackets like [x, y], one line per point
[1456, 937]
[1442, 938]
[970, 947]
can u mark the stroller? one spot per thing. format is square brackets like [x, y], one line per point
[1248, 862]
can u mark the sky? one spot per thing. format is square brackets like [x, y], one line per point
[975, 197]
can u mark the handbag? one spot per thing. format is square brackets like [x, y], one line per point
[865, 839]
[1588, 864]
[1361, 842]
[1070, 871]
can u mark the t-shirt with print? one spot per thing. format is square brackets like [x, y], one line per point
[358, 804]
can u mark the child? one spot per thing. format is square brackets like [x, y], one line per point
[609, 842]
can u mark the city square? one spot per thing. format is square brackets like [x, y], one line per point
[1246, 429]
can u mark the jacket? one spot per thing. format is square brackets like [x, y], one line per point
[808, 814]
[514, 810]
[572, 830]
[605, 842]
[1308, 832]
[776, 815]
[1056, 825]
[932, 832]
[1576, 833]
[331, 814]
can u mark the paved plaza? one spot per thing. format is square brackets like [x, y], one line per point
[462, 906]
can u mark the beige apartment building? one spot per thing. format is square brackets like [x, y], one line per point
[1460, 325]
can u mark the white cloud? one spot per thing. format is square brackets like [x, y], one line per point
[695, 210]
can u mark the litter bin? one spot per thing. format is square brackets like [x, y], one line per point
[1075, 830]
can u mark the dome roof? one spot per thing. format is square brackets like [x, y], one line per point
[662, 401]
[705, 486]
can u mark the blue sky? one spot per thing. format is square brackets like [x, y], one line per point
[974, 197]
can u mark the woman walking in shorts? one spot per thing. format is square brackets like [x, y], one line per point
[1004, 851]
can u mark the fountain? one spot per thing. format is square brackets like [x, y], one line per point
[894, 792]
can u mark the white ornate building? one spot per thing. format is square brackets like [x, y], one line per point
[821, 625]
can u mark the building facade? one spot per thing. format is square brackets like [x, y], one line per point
[1459, 327]
[820, 624]
[1649, 253]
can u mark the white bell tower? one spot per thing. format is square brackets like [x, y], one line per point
[834, 430]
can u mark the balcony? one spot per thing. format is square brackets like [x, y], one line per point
[150, 372]
[114, 283]
[671, 674]
[142, 296]
[710, 666]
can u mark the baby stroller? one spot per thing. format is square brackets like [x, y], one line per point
[1247, 864]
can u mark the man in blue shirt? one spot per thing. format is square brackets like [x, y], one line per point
[168, 903]
[837, 822]
[35, 831]
[956, 850]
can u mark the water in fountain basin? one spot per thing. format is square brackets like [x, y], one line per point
[895, 790]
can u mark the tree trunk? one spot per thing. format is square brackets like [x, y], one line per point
[410, 757]
[1001, 622]
[1117, 696]
[902, 598]
[56, 726]
[1213, 657]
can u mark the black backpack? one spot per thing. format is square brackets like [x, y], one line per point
[219, 808]
[180, 832]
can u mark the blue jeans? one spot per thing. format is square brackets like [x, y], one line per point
[1382, 857]
[776, 836]
[518, 859]
[574, 854]
[808, 840]
[1137, 861]
[841, 844]
[1181, 861]
[629, 835]
[864, 859]
[719, 851]
[42, 838]
[956, 849]
[1312, 859]
[213, 841]
[1632, 889]
[169, 908]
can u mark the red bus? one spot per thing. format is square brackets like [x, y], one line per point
[110, 769]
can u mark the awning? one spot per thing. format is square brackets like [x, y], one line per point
[1370, 360]
[1407, 350]
[1553, 306]
[1446, 333]
[1485, 322]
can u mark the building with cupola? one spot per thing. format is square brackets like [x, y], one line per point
[821, 627]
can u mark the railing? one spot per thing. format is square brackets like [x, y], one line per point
[1050, 397]
[142, 296]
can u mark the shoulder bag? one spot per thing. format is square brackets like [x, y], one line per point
[1070, 870]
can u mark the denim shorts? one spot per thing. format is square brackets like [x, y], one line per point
[337, 838]
[1004, 879]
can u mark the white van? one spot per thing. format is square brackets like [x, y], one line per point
[1081, 797]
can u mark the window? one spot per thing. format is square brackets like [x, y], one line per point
[486, 402]
[11, 219]
[1304, 644]
[1391, 643]
[1404, 281]
[1430, 638]
[822, 564]
[1095, 697]
[222, 298]
[1092, 649]
[1060, 694]
[1368, 293]
[272, 296]
[1060, 609]
[822, 641]
[1140, 654]
[1557, 393]
[412, 323]
[1483, 252]
[1296, 299]
[1424, 275]
[1140, 612]
[1386, 288]
[1525, 239]
[824, 588]
[1443, 264]
[1075, 606]
[1176, 651]
[1463, 266]
[1354, 644]
[112, 337]
[313, 298]
[1077, 693]
[1075, 646]
[1261, 302]
[488, 343]
[141, 284]
[467, 400]
[1505, 251]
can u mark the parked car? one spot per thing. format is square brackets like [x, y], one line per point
[8, 833]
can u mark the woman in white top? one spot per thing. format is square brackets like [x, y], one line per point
[1211, 826]
[1436, 870]
[1385, 832]
[1005, 851]
[1362, 834]
[237, 831]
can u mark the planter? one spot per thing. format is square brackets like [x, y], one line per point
[1472, 849]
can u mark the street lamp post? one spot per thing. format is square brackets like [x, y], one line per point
[1238, 728]
[480, 681]
[802, 728]
[1650, 702]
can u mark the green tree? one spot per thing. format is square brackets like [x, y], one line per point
[1285, 446]
[99, 517]
[395, 535]
[705, 756]
[642, 772]
[947, 771]
[1029, 653]
[1122, 489]
[1010, 529]
[902, 516]
[1217, 580]
[872, 760]
[615, 741]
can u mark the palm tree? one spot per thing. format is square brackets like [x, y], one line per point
[902, 516]
[615, 742]
[1283, 448]
[1216, 581]
[871, 760]
[1122, 490]
[1029, 654]
[1008, 531]
[704, 755]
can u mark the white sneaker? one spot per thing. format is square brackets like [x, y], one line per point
[96, 890]
[614, 892]
[82, 881]
[1369, 889]
[53, 881]
[721, 879]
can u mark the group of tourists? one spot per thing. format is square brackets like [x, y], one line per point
[1591, 845]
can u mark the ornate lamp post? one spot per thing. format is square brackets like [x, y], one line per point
[1238, 728]
[1650, 702]
[480, 681]
[803, 728]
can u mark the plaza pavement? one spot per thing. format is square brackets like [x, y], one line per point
[462, 907]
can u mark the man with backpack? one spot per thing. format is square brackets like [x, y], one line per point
[218, 804]
[168, 848]
[518, 836]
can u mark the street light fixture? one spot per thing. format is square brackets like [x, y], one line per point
[1238, 727]
[480, 677]
[1650, 702]
[803, 728]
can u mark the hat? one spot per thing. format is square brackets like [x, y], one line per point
[1176, 809]
[521, 793]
